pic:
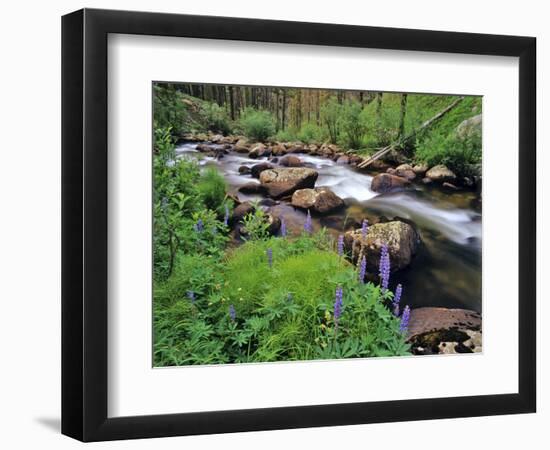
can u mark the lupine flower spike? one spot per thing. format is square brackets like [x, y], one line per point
[232, 313]
[405, 319]
[364, 228]
[308, 227]
[283, 227]
[269, 253]
[199, 226]
[226, 216]
[362, 269]
[397, 299]
[191, 296]
[384, 267]
[340, 245]
[338, 305]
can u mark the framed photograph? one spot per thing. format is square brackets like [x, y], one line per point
[273, 224]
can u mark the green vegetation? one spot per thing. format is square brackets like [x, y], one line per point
[241, 309]
[257, 124]
[356, 121]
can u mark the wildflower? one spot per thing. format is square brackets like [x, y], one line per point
[289, 297]
[396, 299]
[283, 227]
[340, 246]
[308, 226]
[269, 257]
[226, 216]
[199, 226]
[403, 327]
[364, 228]
[338, 303]
[232, 313]
[191, 296]
[384, 267]
[362, 269]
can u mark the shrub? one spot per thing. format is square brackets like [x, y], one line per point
[257, 124]
[330, 115]
[287, 135]
[309, 133]
[459, 154]
[352, 124]
[216, 118]
[211, 187]
[255, 225]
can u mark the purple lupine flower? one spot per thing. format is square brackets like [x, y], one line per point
[340, 245]
[362, 269]
[338, 303]
[308, 226]
[283, 227]
[404, 326]
[269, 253]
[199, 226]
[364, 228]
[191, 296]
[232, 313]
[384, 267]
[397, 299]
[226, 216]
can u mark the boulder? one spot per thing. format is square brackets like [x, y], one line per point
[420, 169]
[405, 171]
[449, 186]
[284, 181]
[217, 139]
[440, 174]
[400, 237]
[378, 165]
[384, 182]
[427, 180]
[244, 170]
[279, 150]
[257, 169]
[252, 188]
[296, 147]
[291, 161]
[258, 150]
[241, 211]
[469, 127]
[435, 330]
[240, 148]
[204, 148]
[343, 160]
[320, 200]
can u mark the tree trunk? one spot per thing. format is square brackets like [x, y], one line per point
[402, 116]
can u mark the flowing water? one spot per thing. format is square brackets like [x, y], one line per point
[446, 270]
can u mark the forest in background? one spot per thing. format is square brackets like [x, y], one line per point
[358, 121]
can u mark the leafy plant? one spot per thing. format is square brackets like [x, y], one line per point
[255, 225]
[257, 124]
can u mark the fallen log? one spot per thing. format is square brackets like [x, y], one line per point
[404, 140]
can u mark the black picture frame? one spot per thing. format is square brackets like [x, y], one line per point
[84, 224]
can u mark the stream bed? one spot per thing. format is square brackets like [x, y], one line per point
[446, 270]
